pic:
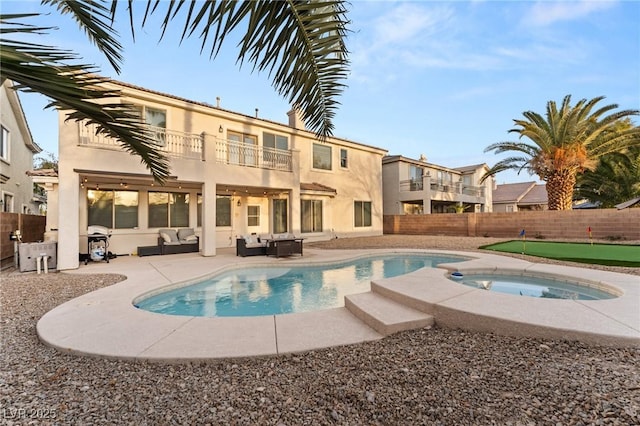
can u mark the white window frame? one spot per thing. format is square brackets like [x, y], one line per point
[9, 208]
[363, 217]
[346, 158]
[313, 211]
[253, 216]
[319, 145]
[6, 143]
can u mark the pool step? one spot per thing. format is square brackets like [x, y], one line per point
[384, 315]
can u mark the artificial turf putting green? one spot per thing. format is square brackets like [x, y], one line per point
[601, 254]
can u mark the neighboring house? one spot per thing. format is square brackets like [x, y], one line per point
[231, 175]
[417, 187]
[16, 155]
[523, 196]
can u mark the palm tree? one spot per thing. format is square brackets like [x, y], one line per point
[299, 43]
[616, 179]
[567, 142]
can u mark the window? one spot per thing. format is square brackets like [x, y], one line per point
[7, 202]
[273, 142]
[112, 209]
[100, 208]
[362, 213]
[311, 215]
[223, 210]
[4, 144]
[243, 151]
[415, 173]
[270, 140]
[125, 209]
[199, 202]
[415, 176]
[253, 215]
[179, 210]
[157, 120]
[321, 157]
[343, 158]
[280, 216]
[168, 209]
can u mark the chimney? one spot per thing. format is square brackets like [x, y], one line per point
[217, 101]
[295, 119]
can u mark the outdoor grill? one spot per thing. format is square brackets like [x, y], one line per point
[97, 244]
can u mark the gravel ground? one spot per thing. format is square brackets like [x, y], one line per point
[428, 376]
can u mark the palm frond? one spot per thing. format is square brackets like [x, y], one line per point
[511, 163]
[299, 43]
[43, 69]
[95, 19]
[500, 147]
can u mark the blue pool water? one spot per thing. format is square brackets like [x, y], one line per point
[280, 290]
[532, 287]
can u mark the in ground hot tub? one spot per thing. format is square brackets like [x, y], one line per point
[534, 286]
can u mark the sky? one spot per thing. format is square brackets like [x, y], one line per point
[444, 79]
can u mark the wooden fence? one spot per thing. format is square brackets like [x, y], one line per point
[570, 224]
[31, 227]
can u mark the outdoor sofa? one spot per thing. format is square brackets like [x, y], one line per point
[172, 241]
[273, 245]
[251, 245]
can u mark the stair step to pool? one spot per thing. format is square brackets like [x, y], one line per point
[384, 315]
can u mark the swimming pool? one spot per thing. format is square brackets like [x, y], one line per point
[266, 290]
[532, 286]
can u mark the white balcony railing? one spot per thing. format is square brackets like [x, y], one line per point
[191, 146]
[170, 142]
[241, 154]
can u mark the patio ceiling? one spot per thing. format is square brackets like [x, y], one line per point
[250, 191]
[91, 178]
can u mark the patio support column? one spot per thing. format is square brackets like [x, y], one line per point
[208, 240]
[426, 191]
[294, 195]
[68, 219]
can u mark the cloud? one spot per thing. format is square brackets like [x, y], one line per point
[401, 40]
[409, 23]
[546, 13]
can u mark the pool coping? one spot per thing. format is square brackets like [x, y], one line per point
[104, 323]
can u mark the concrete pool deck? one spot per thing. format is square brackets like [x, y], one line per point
[105, 323]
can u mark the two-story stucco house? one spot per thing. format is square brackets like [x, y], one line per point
[417, 187]
[521, 196]
[17, 149]
[231, 175]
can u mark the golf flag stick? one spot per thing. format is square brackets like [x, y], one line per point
[524, 241]
[590, 236]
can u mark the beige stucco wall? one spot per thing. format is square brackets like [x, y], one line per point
[360, 181]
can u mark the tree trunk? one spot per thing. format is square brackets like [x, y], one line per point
[560, 186]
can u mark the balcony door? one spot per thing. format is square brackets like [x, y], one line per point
[242, 149]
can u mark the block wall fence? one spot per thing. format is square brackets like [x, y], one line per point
[570, 224]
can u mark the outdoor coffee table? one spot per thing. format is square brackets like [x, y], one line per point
[279, 247]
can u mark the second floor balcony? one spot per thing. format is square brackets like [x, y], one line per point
[191, 146]
[445, 187]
